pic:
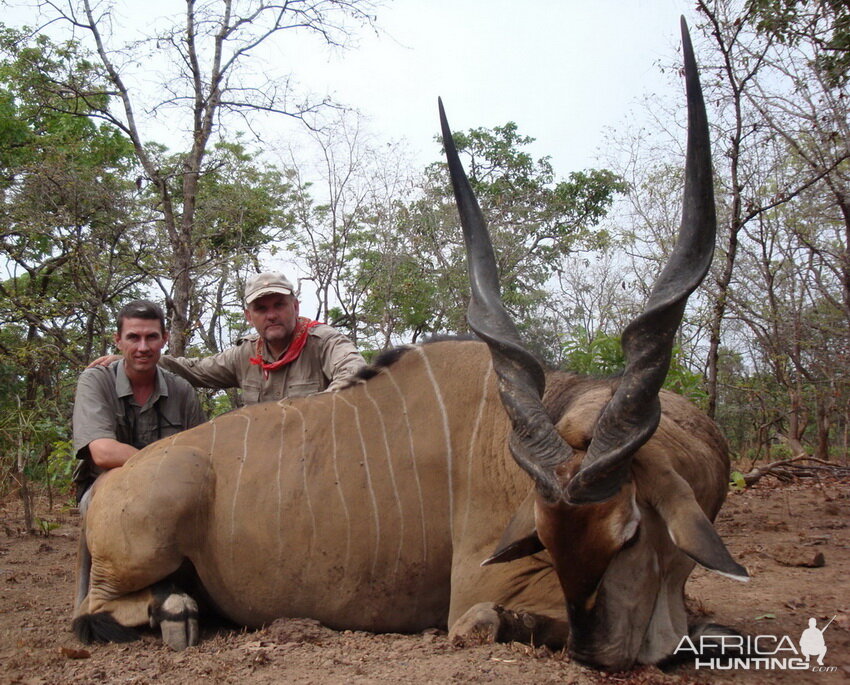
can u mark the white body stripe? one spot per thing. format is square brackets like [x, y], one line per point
[364, 451]
[334, 458]
[446, 432]
[393, 482]
[389, 374]
[473, 441]
[242, 460]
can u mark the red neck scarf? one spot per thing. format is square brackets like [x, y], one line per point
[299, 339]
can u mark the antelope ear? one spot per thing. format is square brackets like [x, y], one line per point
[691, 531]
[520, 537]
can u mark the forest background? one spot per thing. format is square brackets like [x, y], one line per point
[94, 212]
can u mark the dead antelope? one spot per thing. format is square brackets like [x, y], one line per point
[372, 508]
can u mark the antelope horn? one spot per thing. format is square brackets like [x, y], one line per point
[633, 413]
[535, 444]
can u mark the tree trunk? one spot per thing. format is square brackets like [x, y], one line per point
[844, 206]
[823, 428]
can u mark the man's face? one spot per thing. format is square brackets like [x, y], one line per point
[274, 316]
[140, 342]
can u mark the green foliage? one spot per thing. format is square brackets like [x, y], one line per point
[242, 209]
[60, 464]
[415, 269]
[66, 214]
[241, 203]
[535, 219]
[683, 381]
[216, 405]
[602, 355]
[46, 121]
[369, 354]
[824, 22]
[45, 526]
[68, 226]
[400, 286]
[736, 480]
[79, 235]
[34, 439]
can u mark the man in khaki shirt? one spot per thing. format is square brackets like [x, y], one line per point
[122, 407]
[291, 356]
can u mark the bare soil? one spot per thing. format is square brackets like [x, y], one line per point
[792, 537]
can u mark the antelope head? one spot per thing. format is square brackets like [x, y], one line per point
[623, 521]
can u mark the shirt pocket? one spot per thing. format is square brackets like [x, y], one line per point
[170, 421]
[251, 392]
[302, 389]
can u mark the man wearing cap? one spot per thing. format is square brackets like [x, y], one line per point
[291, 356]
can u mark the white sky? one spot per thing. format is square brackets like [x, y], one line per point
[563, 70]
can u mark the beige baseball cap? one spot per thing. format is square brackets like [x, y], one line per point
[265, 284]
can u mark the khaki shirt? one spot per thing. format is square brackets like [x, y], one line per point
[104, 407]
[327, 361]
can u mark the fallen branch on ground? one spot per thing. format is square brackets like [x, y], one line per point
[801, 466]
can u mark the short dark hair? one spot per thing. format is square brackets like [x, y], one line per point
[141, 309]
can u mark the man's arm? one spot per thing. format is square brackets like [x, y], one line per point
[95, 421]
[340, 359]
[109, 454]
[216, 371]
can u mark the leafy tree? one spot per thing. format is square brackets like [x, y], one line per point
[243, 206]
[825, 23]
[791, 305]
[602, 354]
[359, 185]
[67, 213]
[784, 205]
[210, 51]
[418, 273]
[773, 313]
[69, 233]
[599, 354]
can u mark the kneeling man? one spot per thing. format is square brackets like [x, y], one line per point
[122, 407]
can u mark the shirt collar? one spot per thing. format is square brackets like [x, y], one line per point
[267, 354]
[124, 389]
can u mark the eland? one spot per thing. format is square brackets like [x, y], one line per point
[455, 485]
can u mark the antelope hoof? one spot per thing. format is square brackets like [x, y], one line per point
[177, 618]
[478, 626]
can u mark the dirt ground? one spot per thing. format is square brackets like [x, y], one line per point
[792, 537]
